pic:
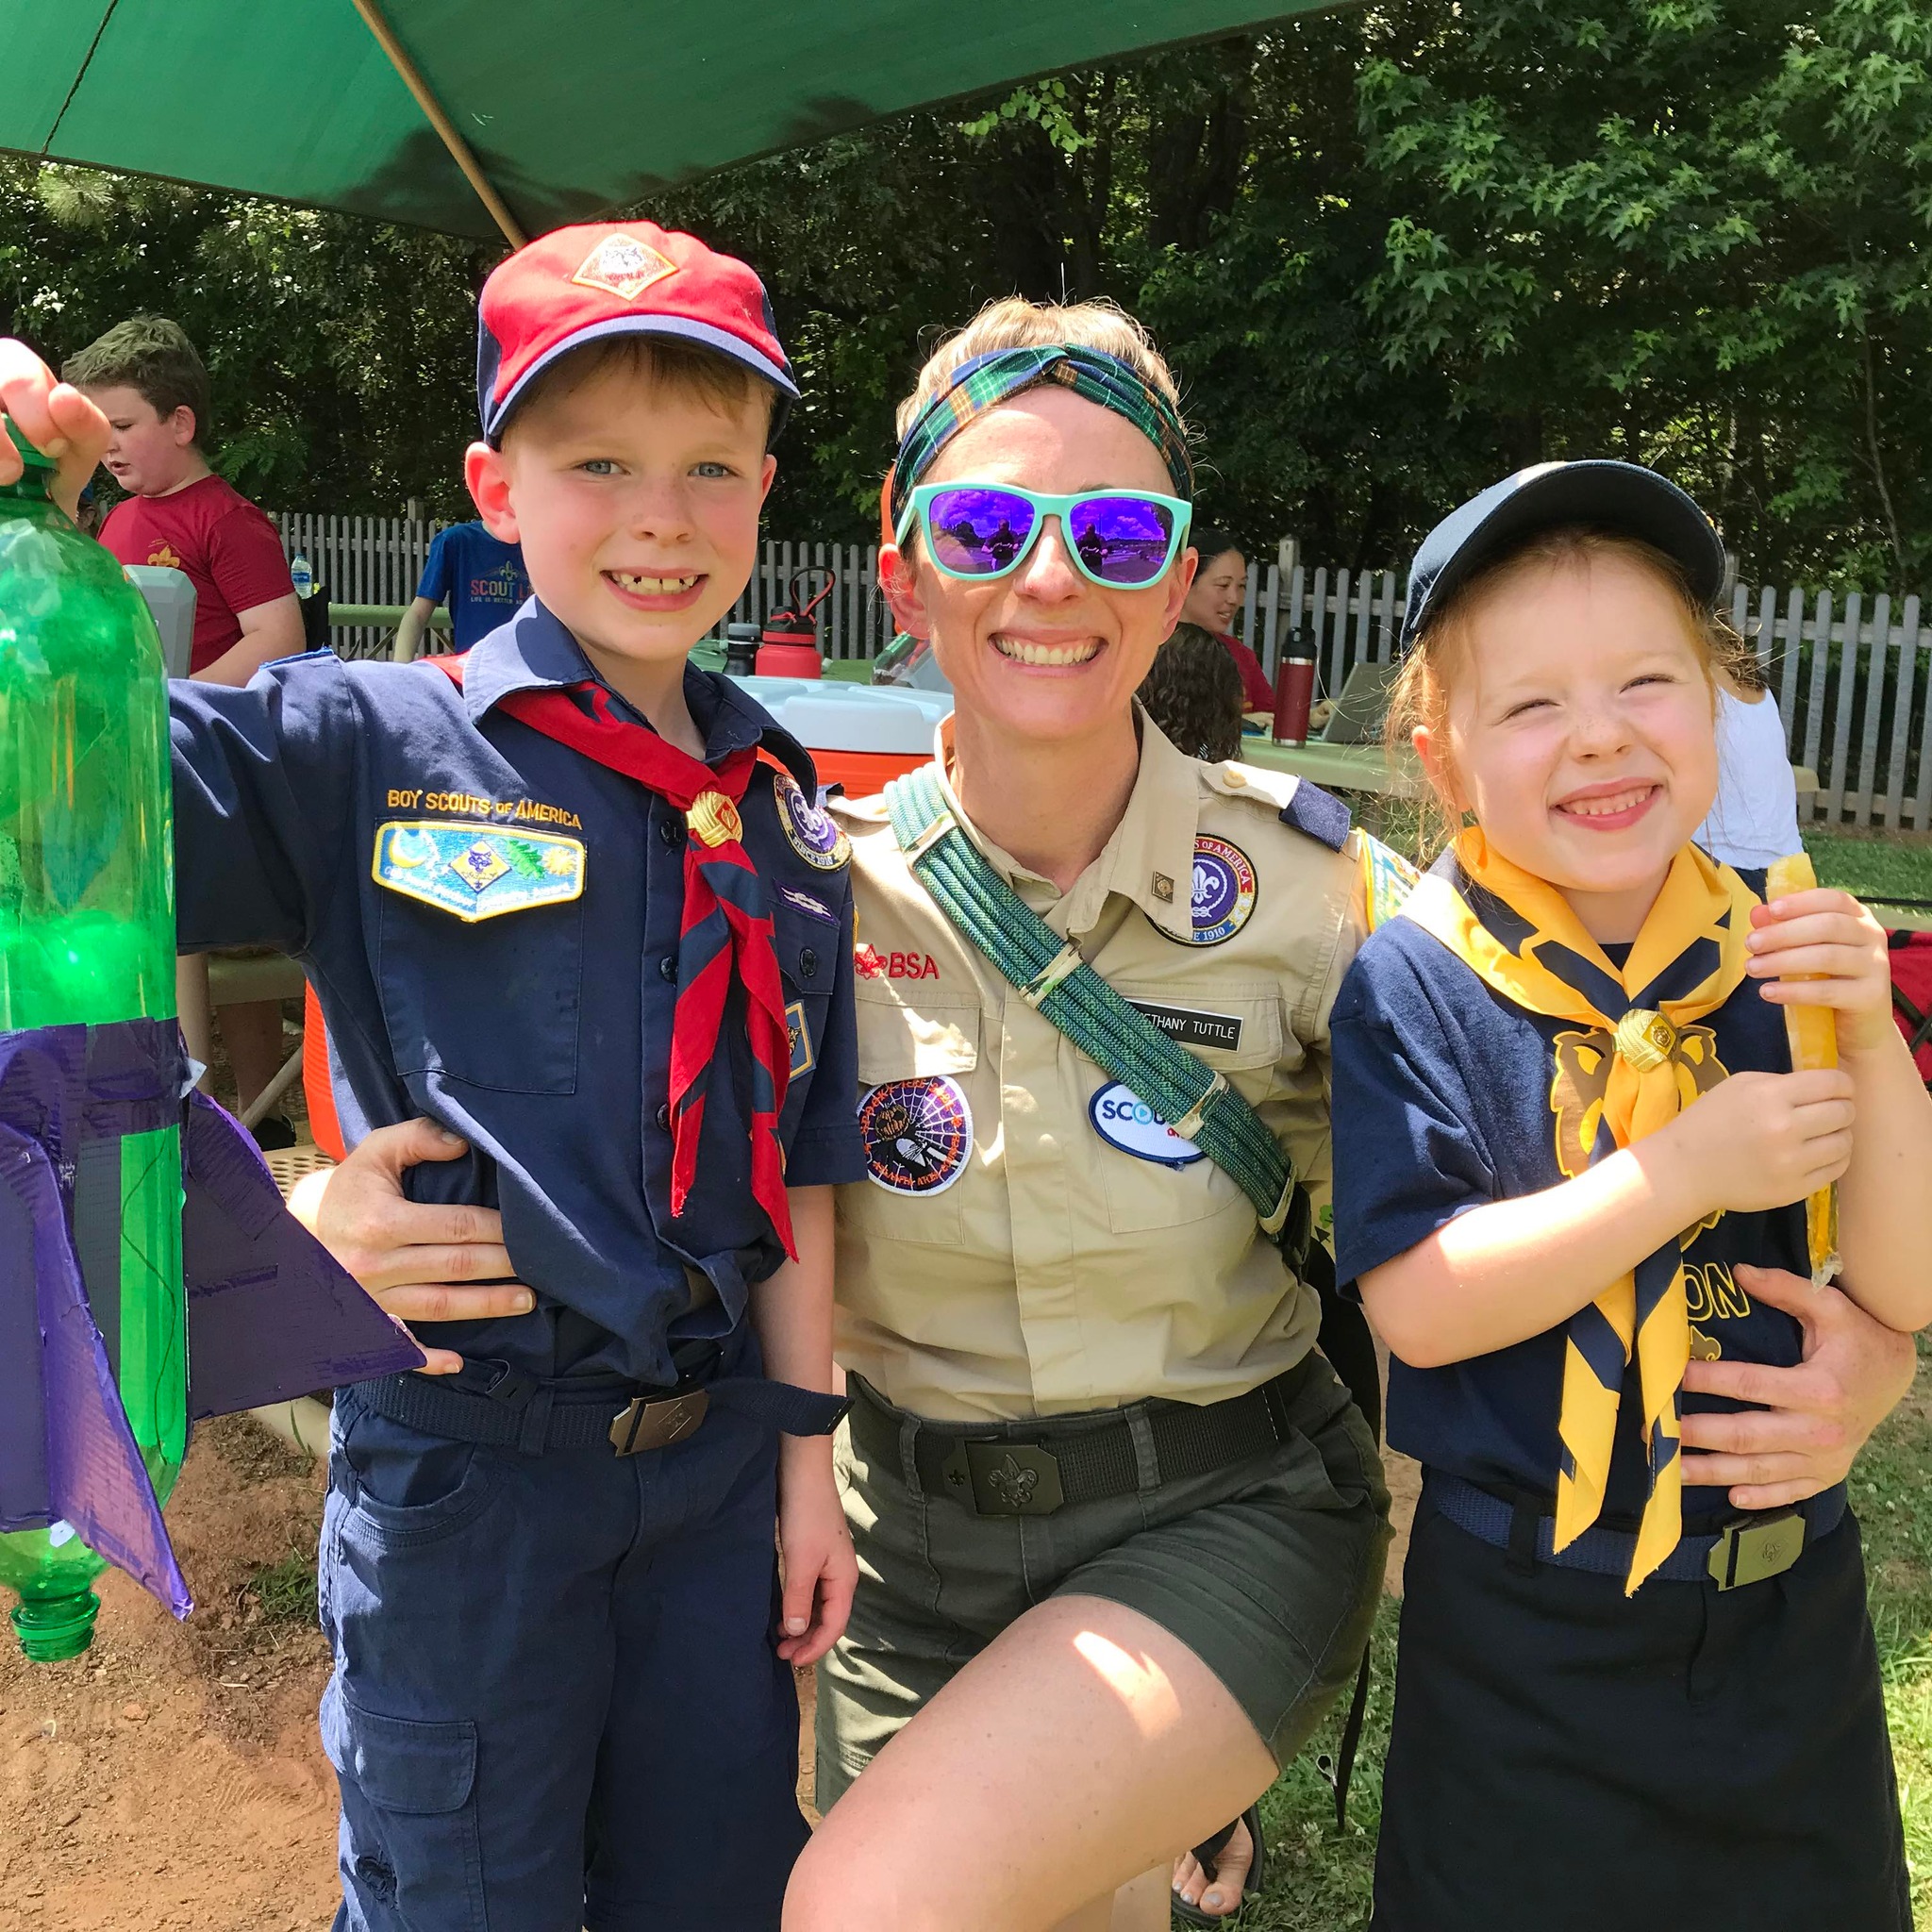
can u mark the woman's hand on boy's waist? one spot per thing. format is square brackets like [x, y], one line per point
[1808, 1421]
[421, 1263]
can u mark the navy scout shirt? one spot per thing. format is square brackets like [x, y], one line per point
[1443, 1103]
[372, 820]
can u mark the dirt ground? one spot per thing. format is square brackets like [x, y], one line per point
[170, 1778]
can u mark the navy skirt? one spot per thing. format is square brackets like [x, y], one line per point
[1564, 1755]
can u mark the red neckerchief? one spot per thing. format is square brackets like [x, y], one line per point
[727, 924]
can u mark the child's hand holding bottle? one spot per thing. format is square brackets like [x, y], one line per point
[54, 417]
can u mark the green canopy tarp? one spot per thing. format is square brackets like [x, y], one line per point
[570, 108]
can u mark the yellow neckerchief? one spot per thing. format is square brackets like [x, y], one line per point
[1638, 1061]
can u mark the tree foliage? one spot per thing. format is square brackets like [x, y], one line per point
[1391, 253]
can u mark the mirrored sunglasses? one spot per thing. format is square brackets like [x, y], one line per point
[1119, 539]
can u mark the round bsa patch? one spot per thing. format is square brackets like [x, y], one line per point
[1223, 890]
[918, 1134]
[810, 832]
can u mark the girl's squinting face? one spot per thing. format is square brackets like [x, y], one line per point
[1219, 589]
[1044, 651]
[1580, 732]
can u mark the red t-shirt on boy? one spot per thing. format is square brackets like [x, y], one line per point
[227, 547]
[1258, 694]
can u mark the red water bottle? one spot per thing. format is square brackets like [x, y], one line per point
[1294, 690]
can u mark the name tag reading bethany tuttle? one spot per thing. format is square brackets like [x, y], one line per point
[1191, 1026]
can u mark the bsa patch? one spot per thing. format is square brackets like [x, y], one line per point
[622, 266]
[1224, 891]
[800, 1035]
[917, 1133]
[474, 871]
[810, 832]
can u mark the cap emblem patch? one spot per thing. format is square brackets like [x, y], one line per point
[624, 266]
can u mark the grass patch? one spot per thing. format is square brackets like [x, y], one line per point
[1321, 1879]
[285, 1591]
[1872, 868]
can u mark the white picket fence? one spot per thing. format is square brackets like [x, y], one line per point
[1853, 674]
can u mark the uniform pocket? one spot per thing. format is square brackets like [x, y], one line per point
[412, 1846]
[916, 1068]
[496, 1003]
[1143, 1191]
[407, 1489]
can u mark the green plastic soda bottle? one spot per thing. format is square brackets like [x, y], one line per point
[87, 935]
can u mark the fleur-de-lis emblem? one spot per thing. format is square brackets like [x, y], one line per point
[1013, 1484]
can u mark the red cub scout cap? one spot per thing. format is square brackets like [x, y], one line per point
[617, 278]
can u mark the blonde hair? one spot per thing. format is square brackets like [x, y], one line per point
[1420, 695]
[1014, 323]
[686, 368]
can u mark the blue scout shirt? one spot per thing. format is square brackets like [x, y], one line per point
[1442, 1094]
[351, 814]
[481, 580]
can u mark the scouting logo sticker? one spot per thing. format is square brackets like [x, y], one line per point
[809, 832]
[622, 266]
[1224, 891]
[917, 1133]
[475, 873]
[1123, 1120]
[806, 903]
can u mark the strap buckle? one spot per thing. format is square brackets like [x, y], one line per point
[1749, 1551]
[1007, 1478]
[1292, 1226]
[943, 823]
[656, 1423]
[1061, 967]
[1188, 1125]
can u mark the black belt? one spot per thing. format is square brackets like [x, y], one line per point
[503, 1406]
[1745, 1551]
[1034, 1468]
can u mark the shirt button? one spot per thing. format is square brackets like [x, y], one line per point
[807, 963]
[671, 831]
[664, 1118]
[667, 967]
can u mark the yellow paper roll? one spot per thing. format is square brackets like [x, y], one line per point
[1813, 1035]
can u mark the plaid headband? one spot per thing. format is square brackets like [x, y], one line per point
[989, 380]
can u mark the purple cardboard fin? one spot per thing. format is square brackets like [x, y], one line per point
[95, 1476]
[271, 1314]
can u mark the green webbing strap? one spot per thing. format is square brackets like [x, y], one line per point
[1052, 979]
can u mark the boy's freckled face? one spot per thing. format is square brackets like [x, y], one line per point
[149, 455]
[1580, 726]
[637, 503]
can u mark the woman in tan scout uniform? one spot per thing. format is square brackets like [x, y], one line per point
[1119, 1530]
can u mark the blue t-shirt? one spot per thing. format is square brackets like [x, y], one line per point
[481, 580]
[1443, 1103]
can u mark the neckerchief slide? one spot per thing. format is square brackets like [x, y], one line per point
[1636, 1061]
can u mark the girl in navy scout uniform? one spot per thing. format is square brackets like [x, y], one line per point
[1571, 1161]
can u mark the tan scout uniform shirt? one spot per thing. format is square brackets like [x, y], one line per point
[1044, 1270]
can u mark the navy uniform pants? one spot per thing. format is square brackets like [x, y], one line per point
[556, 1701]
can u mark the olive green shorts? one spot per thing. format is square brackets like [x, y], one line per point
[1268, 1570]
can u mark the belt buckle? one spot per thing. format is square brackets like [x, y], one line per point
[1749, 1551]
[1008, 1479]
[657, 1421]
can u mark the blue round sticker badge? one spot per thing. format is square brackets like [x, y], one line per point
[809, 832]
[917, 1133]
[1123, 1120]
[1223, 890]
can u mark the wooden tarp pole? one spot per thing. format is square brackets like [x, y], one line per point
[432, 108]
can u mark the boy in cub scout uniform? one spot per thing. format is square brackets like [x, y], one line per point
[569, 898]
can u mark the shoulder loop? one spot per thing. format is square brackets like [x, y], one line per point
[1319, 813]
[778, 747]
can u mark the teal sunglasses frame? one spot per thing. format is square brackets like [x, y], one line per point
[918, 509]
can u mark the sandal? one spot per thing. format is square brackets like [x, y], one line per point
[1208, 1854]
